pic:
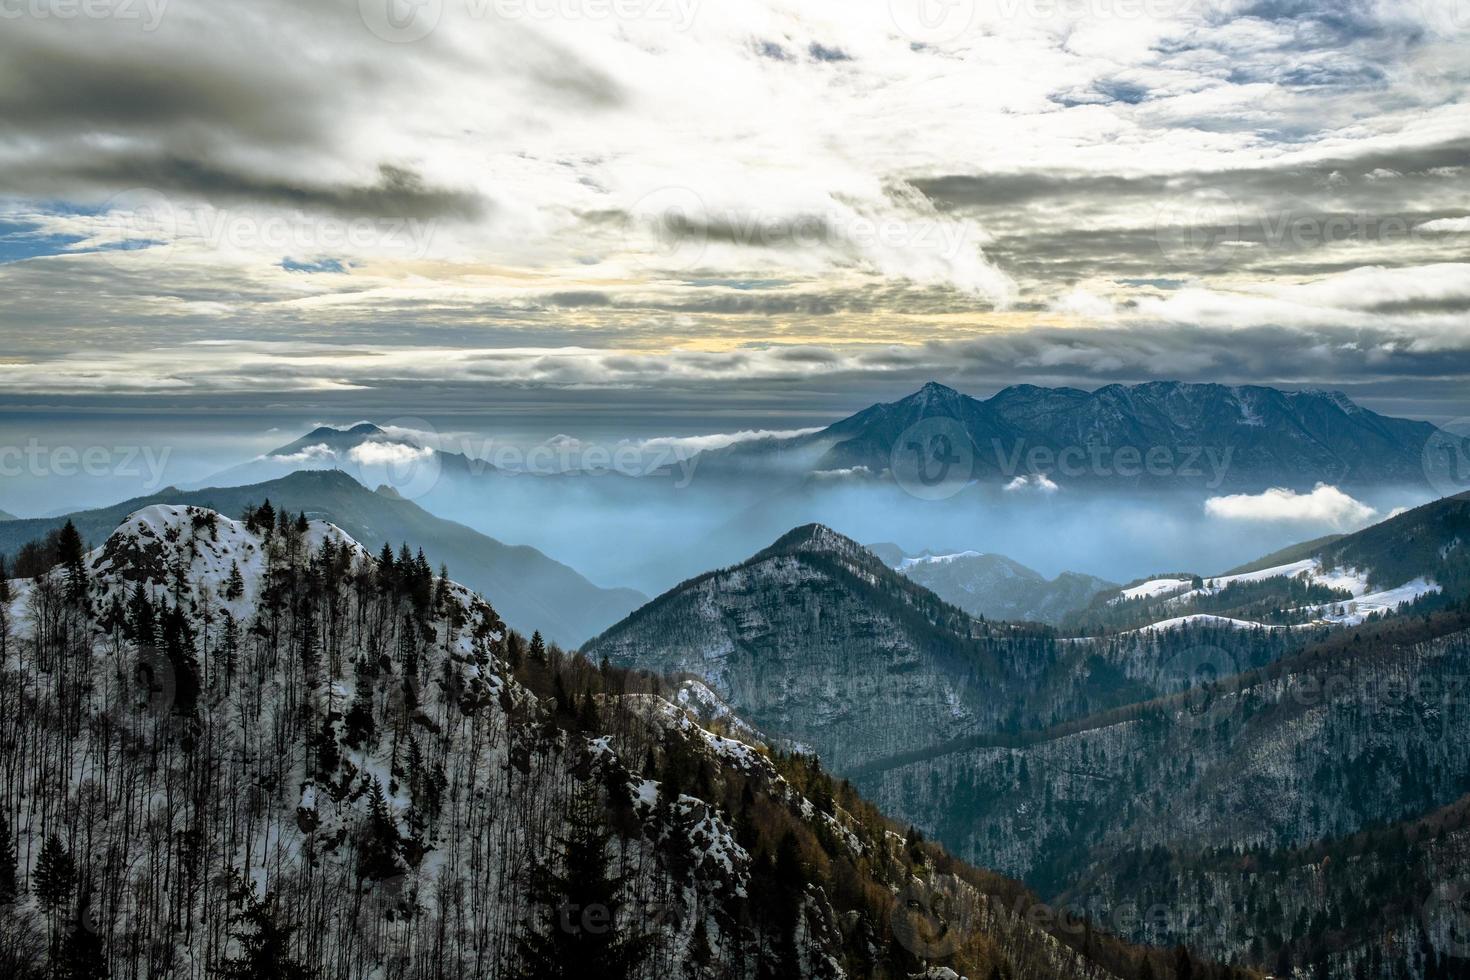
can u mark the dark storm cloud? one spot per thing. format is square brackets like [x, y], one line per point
[397, 193]
[51, 84]
[1264, 219]
[1056, 187]
[751, 231]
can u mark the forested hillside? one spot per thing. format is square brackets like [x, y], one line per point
[253, 749]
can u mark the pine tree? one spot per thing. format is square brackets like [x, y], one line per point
[265, 946]
[142, 627]
[328, 756]
[9, 887]
[265, 517]
[54, 874]
[83, 955]
[235, 584]
[583, 937]
[362, 730]
[71, 554]
[229, 645]
[379, 843]
[538, 648]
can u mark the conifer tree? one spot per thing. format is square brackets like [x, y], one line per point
[538, 648]
[265, 946]
[54, 874]
[71, 555]
[9, 887]
[583, 937]
[362, 730]
[235, 584]
[83, 955]
[379, 843]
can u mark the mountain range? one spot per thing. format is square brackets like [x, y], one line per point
[532, 591]
[1162, 435]
[994, 586]
[976, 472]
[290, 758]
[1171, 762]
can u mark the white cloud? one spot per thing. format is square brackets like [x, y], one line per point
[845, 473]
[1324, 505]
[319, 453]
[689, 445]
[388, 454]
[1036, 482]
[1455, 226]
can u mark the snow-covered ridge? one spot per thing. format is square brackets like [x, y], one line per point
[908, 563]
[1364, 602]
[1153, 588]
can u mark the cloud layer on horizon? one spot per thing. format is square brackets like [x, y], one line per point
[681, 193]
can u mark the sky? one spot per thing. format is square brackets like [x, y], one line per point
[695, 216]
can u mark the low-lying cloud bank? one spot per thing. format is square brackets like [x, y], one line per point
[1326, 504]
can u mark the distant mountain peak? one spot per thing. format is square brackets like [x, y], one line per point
[934, 393]
[815, 538]
[360, 429]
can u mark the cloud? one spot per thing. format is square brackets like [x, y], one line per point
[689, 445]
[1035, 483]
[319, 453]
[1324, 505]
[1452, 226]
[774, 191]
[388, 454]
